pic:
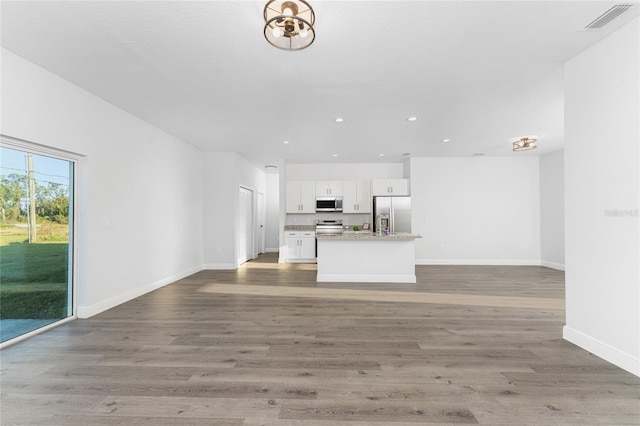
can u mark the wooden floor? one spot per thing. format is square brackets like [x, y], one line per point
[268, 345]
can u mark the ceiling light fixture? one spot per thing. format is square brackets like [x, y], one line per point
[380, 155]
[446, 140]
[524, 144]
[285, 142]
[334, 155]
[412, 118]
[339, 120]
[289, 24]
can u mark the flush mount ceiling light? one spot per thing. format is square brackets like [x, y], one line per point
[412, 118]
[524, 144]
[289, 24]
[339, 120]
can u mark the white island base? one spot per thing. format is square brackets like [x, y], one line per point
[381, 259]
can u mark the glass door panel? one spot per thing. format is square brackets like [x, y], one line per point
[36, 236]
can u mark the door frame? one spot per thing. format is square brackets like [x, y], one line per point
[260, 221]
[76, 159]
[249, 251]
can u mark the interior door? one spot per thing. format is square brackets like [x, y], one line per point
[260, 219]
[245, 228]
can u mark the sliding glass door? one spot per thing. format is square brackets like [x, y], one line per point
[36, 241]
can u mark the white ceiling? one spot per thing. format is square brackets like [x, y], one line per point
[476, 72]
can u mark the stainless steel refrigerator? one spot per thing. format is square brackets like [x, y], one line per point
[398, 209]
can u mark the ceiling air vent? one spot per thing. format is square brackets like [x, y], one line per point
[608, 16]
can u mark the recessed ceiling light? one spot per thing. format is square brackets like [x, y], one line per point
[339, 120]
[446, 140]
[285, 142]
[412, 118]
[334, 155]
[380, 155]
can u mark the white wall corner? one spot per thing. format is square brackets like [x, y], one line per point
[602, 350]
[552, 265]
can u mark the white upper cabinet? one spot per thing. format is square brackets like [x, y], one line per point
[301, 197]
[390, 187]
[356, 196]
[329, 188]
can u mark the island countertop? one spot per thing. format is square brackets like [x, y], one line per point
[368, 236]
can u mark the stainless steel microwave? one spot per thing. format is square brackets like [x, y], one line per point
[328, 204]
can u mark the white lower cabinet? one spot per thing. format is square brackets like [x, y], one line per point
[300, 246]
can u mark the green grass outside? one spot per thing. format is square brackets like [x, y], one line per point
[33, 277]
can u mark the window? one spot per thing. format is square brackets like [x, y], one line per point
[36, 239]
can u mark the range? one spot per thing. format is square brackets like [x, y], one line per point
[328, 227]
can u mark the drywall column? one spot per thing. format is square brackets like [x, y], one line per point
[602, 174]
[552, 210]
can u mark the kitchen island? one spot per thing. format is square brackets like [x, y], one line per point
[366, 257]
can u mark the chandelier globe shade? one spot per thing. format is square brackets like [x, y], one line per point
[289, 24]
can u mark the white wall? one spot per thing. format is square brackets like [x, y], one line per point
[339, 171]
[552, 209]
[143, 182]
[224, 174]
[272, 212]
[602, 175]
[476, 210]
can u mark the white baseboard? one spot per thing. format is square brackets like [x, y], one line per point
[272, 249]
[497, 262]
[112, 302]
[602, 350]
[352, 278]
[219, 266]
[552, 265]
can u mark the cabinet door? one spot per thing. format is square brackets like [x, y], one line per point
[335, 188]
[307, 197]
[292, 244]
[399, 186]
[293, 197]
[349, 196]
[364, 196]
[322, 188]
[307, 247]
[380, 187]
[328, 188]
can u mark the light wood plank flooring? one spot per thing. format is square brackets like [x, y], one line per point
[267, 345]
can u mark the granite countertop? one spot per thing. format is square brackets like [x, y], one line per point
[368, 236]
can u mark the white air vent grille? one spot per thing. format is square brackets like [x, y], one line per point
[608, 16]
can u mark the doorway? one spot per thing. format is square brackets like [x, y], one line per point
[36, 240]
[245, 228]
[260, 218]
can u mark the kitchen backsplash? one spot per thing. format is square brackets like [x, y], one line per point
[310, 219]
